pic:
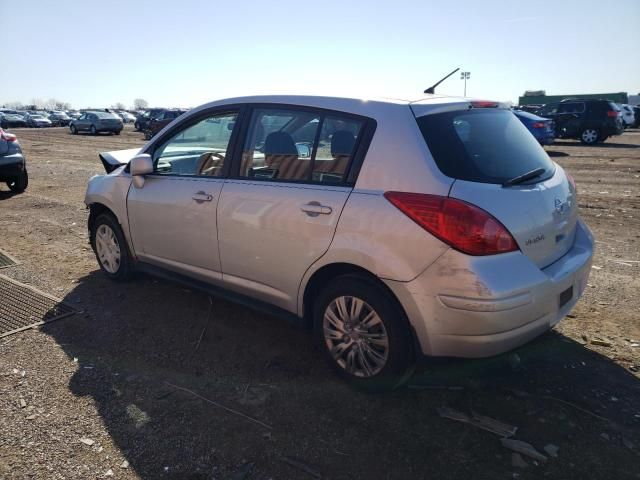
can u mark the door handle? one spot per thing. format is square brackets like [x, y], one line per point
[202, 197]
[313, 209]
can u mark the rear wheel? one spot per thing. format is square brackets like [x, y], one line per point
[363, 333]
[19, 184]
[110, 247]
[589, 136]
[73, 130]
[93, 130]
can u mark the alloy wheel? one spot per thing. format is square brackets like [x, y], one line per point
[108, 249]
[590, 135]
[355, 336]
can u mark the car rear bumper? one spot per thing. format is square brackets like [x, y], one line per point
[466, 306]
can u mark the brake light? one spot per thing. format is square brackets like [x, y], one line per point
[612, 113]
[7, 137]
[572, 182]
[484, 104]
[538, 125]
[463, 226]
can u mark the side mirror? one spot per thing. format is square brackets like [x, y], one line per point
[140, 166]
[304, 150]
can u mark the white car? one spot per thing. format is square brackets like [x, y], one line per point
[397, 229]
[627, 114]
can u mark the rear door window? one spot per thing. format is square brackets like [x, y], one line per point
[483, 145]
[299, 145]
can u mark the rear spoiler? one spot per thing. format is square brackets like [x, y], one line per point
[117, 158]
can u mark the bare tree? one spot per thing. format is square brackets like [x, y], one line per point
[140, 104]
[37, 103]
[119, 106]
[14, 105]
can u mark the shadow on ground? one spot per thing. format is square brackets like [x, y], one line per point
[606, 144]
[139, 337]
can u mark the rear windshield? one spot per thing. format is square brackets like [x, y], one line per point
[105, 115]
[483, 145]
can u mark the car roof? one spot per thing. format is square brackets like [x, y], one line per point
[362, 106]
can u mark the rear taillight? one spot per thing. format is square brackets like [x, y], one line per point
[7, 137]
[612, 113]
[538, 125]
[461, 225]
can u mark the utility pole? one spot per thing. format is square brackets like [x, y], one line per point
[465, 76]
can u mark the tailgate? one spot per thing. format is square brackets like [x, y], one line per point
[542, 217]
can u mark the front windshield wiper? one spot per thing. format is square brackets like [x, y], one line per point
[524, 177]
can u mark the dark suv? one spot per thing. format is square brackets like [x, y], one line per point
[589, 121]
[160, 121]
[142, 120]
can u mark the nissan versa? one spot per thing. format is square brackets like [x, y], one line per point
[397, 229]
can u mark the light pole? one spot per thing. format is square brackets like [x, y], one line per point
[465, 76]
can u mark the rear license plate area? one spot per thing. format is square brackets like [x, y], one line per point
[566, 296]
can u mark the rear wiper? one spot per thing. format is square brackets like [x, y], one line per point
[524, 177]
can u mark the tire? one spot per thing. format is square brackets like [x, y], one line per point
[93, 130]
[110, 247]
[590, 136]
[136, 125]
[73, 130]
[378, 357]
[19, 185]
[117, 132]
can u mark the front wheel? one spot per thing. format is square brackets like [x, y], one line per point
[93, 130]
[19, 184]
[73, 130]
[363, 333]
[589, 136]
[110, 247]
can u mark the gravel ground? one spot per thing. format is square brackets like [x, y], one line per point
[101, 393]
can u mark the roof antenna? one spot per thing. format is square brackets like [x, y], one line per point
[432, 89]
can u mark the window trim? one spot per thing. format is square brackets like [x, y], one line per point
[355, 163]
[238, 109]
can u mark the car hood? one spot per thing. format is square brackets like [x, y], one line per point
[117, 158]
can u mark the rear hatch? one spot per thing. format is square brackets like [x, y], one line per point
[487, 151]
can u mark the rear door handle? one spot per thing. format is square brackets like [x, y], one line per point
[202, 197]
[313, 209]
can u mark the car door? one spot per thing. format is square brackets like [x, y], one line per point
[83, 122]
[570, 117]
[278, 212]
[172, 218]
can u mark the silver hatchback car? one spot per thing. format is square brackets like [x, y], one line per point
[397, 229]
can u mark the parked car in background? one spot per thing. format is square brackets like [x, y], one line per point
[142, 121]
[636, 115]
[59, 119]
[73, 113]
[397, 229]
[96, 122]
[590, 121]
[541, 128]
[529, 108]
[13, 166]
[163, 119]
[126, 116]
[37, 120]
[627, 114]
[12, 120]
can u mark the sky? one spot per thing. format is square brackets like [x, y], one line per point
[188, 52]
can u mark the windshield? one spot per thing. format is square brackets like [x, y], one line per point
[483, 145]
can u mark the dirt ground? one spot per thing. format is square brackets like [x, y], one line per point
[111, 373]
